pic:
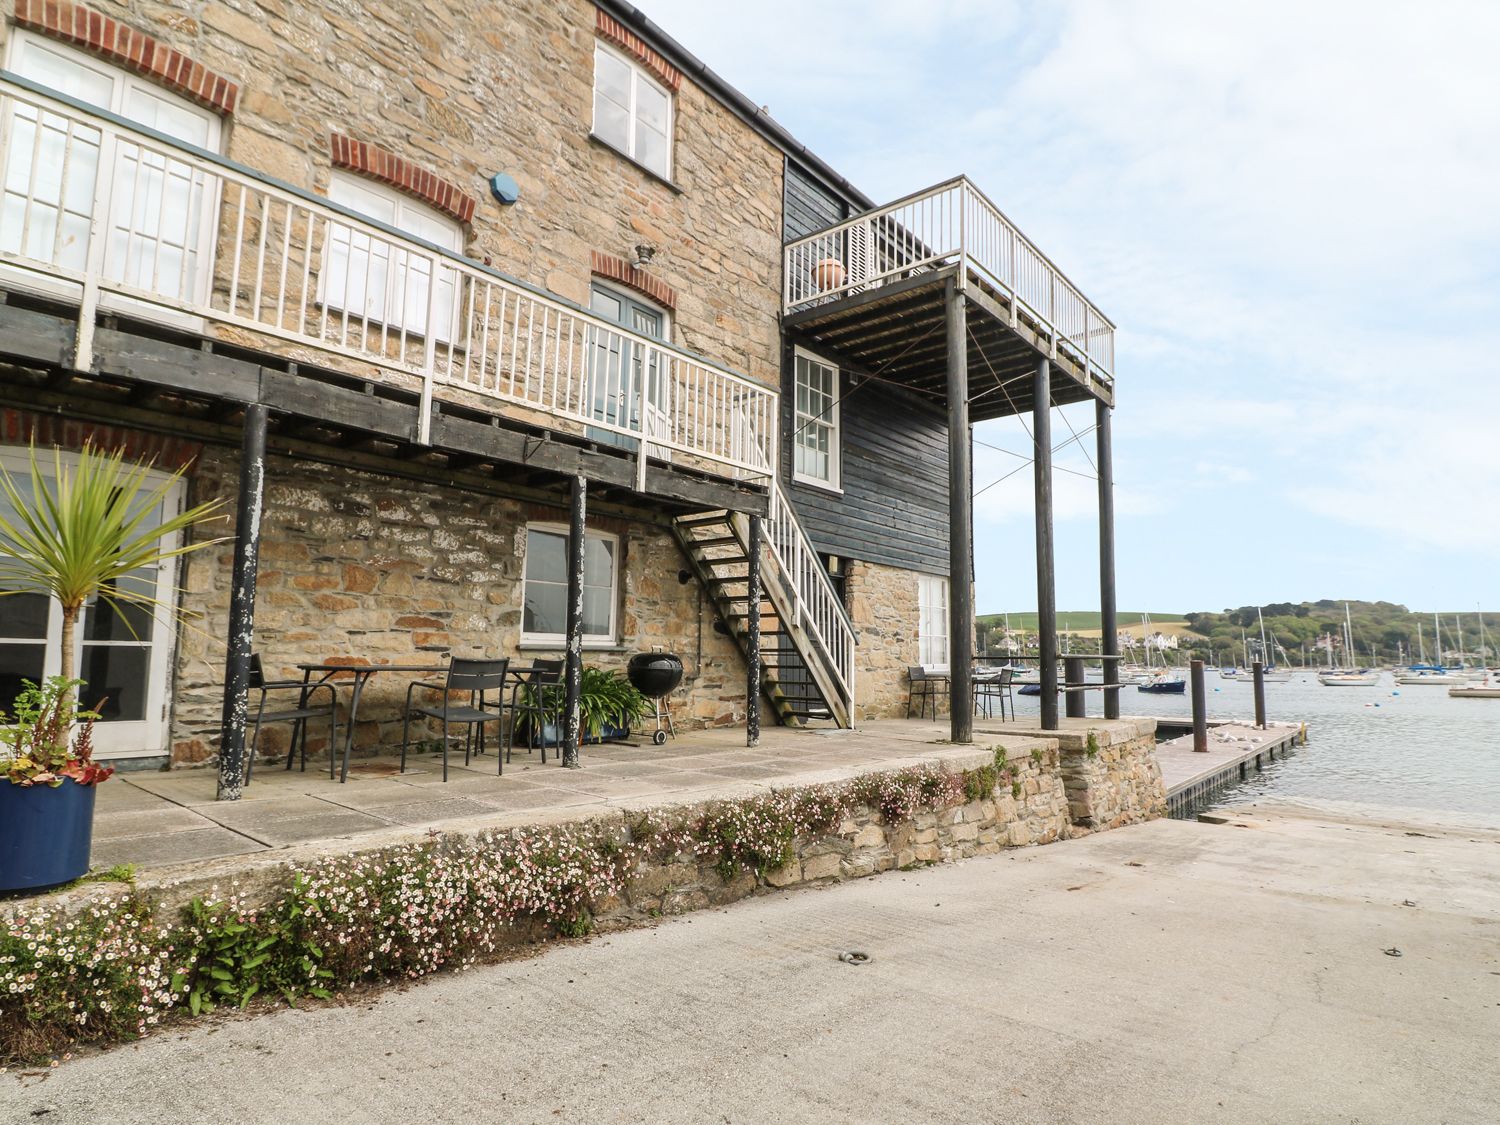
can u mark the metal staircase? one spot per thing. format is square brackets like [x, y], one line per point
[807, 640]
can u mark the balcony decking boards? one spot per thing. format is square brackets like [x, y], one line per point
[896, 333]
[161, 380]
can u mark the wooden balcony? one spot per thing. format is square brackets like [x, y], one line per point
[871, 291]
[125, 226]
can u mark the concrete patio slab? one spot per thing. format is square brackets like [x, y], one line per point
[333, 823]
[164, 817]
[416, 814]
[161, 849]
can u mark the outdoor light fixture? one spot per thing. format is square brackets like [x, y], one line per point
[644, 254]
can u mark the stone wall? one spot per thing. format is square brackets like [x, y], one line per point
[361, 567]
[1112, 775]
[866, 844]
[882, 602]
[466, 88]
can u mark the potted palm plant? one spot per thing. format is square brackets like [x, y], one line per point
[75, 537]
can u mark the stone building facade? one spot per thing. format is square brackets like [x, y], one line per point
[458, 90]
[430, 100]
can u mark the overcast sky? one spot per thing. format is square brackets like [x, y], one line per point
[1292, 210]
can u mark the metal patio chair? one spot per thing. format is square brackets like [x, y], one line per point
[537, 697]
[476, 679]
[922, 691]
[298, 716]
[995, 687]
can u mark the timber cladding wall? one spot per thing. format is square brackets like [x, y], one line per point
[462, 89]
[370, 568]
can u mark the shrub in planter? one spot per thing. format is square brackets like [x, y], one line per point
[608, 706]
[47, 780]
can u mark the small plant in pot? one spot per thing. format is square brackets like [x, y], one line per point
[608, 706]
[76, 536]
[47, 807]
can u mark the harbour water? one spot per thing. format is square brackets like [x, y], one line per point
[1388, 749]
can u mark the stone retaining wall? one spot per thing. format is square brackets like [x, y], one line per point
[1028, 806]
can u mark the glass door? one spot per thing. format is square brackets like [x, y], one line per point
[618, 369]
[121, 653]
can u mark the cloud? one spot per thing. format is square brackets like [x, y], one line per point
[1289, 208]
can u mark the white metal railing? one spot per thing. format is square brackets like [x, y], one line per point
[817, 604]
[952, 223]
[128, 219]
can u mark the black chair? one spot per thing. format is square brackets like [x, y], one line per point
[536, 697]
[992, 687]
[924, 685]
[297, 716]
[476, 678]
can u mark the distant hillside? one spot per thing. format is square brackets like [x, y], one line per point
[1381, 629]
[1080, 620]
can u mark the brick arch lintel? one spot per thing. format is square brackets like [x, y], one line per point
[623, 273]
[126, 47]
[386, 166]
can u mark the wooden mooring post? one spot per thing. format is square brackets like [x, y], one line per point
[1200, 709]
[1259, 671]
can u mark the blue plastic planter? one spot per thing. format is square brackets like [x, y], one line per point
[45, 834]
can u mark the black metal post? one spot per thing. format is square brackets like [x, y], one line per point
[1074, 705]
[247, 513]
[960, 525]
[752, 635]
[1046, 578]
[573, 672]
[1200, 708]
[1259, 672]
[1109, 625]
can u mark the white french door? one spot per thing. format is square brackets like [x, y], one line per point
[161, 211]
[620, 370]
[123, 655]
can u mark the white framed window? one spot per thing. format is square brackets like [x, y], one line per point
[932, 622]
[618, 366]
[544, 594]
[122, 655]
[815, 422]
[632, 111]
[161, 210]
[376, 279]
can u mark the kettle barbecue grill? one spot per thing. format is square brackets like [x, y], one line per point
[656, 675]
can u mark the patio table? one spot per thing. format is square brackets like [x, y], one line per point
[362, 674]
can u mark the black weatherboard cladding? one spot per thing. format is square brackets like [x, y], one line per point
[894, 457]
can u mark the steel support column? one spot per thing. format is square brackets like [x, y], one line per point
[752, 634]
[1109, 625]
[960, 524]
[247, 513]
[573, 672]
[1046, 577]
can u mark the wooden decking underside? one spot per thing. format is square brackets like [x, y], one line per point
[897, 333]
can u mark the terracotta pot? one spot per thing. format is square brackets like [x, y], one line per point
[829, 273]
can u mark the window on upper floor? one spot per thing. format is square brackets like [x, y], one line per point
[544, 616]
[932, 621]
[815, 422]
[379, 281]
[632, 111]
[157, 210]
